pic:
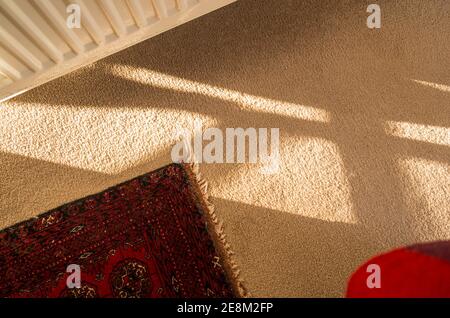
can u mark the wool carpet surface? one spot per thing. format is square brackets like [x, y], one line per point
[147, 237]
[363, 115]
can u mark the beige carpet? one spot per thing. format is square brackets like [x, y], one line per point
[364, 119]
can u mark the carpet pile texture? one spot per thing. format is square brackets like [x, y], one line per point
[364, 117]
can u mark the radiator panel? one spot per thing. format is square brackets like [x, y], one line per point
[36, 45]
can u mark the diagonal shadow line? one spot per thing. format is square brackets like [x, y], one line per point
[33, 186]
[291, 126]
[131, 89]
[185, 101]
[266, 11]
[295, 127]
[421, 149]
[258, 232]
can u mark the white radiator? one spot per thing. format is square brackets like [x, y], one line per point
[37, 44]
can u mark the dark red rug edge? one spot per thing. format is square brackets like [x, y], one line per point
[200, 190]
[198, 187]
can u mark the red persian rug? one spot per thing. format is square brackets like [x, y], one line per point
[418, 271]
[152, 236]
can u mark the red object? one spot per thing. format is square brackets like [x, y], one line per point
[147, 237]
[420, 271]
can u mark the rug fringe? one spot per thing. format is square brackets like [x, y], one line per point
[231, 267]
